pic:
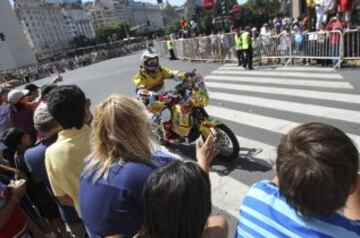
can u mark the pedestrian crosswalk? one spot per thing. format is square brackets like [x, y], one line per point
[231, 70]
[281, 81]
[272, 102]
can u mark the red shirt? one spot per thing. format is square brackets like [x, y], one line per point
[16, 225]
[345, 5]
[183, 23]
[334, 36]
[24, 119]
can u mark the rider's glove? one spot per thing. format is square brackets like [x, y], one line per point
[153, 94]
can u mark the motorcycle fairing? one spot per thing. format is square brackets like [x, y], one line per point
[207, 124]
[181, 120]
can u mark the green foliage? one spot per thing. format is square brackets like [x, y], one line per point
[82, 41]
[271, 7]
[206, 21]
[115, 32]
[172, 27]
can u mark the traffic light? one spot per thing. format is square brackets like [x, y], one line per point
[2, 36]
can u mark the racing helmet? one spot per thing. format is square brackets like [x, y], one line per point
[150, 61]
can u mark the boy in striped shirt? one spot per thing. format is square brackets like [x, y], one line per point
[317, 175]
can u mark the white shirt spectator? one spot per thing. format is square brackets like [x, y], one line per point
[265, 31]
[193, 24]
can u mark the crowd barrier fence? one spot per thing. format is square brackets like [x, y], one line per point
[351, 40]
[323, 46]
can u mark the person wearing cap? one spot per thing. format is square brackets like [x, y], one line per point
[21, 112]
[149, 83]
[35, 161]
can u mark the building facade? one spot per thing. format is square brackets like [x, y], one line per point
[50, 27]
[15, 51]
[146, 17]
[79, 23]
[105, 13]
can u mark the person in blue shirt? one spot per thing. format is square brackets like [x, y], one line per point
[111, 185]
[34, 158]
[316, 176]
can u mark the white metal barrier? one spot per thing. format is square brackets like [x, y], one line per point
[323, 45]
[351, 50]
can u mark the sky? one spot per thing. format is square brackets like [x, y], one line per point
[172, 2]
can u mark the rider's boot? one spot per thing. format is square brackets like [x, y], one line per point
[167, 132]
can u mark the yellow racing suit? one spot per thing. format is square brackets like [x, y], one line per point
[145, 80]
[154, 83]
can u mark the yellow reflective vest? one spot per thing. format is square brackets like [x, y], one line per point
[238, 44]
[245, 40]
[170, 45]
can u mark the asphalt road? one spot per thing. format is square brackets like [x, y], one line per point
[259, 106]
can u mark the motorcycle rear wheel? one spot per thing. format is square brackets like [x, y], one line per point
[228, 144]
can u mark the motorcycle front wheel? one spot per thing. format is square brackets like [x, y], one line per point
[228, 144]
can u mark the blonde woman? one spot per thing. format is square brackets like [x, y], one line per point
[121, 161]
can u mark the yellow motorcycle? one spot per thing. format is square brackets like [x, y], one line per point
[189, 118]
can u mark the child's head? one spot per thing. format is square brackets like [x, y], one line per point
[316, 165]
[177, 201]
[16, 138]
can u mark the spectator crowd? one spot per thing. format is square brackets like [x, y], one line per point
[322, 33]
[62, 64]
[68, 172]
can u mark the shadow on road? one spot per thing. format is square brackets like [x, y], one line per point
[247, 160]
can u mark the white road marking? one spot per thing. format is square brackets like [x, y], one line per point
[278, 73]
[274, 68]
[339, 97]
[302, 108]
[276, 125]
[281, 81]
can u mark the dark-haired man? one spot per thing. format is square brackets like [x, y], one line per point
[317, 175]
[65, 158]
[33, 91]
[35, 161]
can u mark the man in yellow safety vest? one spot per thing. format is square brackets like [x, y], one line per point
[247, 48]
[171, 48]
[238, 47]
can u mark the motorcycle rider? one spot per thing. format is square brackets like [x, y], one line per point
[149, 83]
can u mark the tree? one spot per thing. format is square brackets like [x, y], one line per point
[169, 13]
[115, 32]
[122, 29]
[172, 27]
[81, 41]
[206, 21]
[271, 7]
